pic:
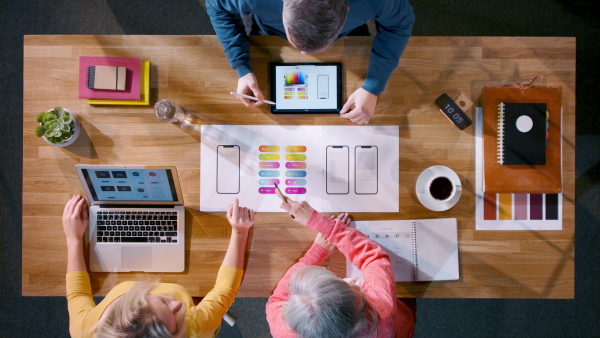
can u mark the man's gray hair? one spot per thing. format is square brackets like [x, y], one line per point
[314, 24]
[321, 305]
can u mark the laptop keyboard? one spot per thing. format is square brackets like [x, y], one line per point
[136, 226]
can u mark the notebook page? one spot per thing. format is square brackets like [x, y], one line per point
[395, 237]
[437, 249]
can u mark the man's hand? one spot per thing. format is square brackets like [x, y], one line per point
[75, 218]
[364, 107]
[248, 85]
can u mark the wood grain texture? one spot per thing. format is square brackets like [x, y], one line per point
[193, 71]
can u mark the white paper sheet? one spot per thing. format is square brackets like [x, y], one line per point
[264, 156]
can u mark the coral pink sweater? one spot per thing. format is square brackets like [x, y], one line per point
[395, 318]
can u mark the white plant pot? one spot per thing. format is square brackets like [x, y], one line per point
[76, 131]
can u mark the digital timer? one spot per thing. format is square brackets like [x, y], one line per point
[453, 112]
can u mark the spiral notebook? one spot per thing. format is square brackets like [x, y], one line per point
[526, 179]
[419, 250]
[106, 77]
[522, 133]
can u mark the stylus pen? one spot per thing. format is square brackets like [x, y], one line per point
[251, 97]
[280, 195]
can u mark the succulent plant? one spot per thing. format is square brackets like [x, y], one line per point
[57, 125]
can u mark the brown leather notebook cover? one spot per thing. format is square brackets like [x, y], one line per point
[542, 179]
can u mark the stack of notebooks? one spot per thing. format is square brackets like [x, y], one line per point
[522, 140]
[114, 80]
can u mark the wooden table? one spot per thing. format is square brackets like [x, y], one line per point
[193, 71]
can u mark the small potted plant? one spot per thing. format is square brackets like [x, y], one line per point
[58, 126]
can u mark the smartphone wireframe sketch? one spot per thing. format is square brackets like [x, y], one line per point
[337, 170]
[322, 86]
[365, 170]
[228, 169]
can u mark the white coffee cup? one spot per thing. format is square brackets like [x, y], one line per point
[438, 188]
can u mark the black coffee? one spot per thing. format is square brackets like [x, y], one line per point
[441, 188]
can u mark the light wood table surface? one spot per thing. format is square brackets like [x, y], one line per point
[193, 71]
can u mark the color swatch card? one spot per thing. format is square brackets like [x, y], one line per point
[328, 166]
[506, 211]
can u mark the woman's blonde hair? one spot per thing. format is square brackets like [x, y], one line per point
[322, 305]
[131, 316]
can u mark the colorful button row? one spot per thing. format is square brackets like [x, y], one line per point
[295, 165]
[290, 181]
[275, 149]
[295, 149]
[288, 173]
[268, 149]
[289, 191]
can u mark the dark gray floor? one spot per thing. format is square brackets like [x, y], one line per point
[47, 317]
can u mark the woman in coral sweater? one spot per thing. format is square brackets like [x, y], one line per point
[310, 301]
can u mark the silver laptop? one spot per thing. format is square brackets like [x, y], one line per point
[136, 218]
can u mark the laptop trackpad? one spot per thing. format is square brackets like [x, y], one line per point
[135, 258]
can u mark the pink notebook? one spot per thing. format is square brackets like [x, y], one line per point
[132, 85]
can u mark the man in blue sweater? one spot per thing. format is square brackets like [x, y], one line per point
[312, 26]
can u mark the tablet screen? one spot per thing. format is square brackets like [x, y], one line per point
[306, 88]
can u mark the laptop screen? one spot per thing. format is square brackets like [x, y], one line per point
[131, 185]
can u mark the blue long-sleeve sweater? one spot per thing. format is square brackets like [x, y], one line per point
[395, 18]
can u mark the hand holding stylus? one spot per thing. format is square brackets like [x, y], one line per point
[252, 98]
[300, 211]
[280, 195]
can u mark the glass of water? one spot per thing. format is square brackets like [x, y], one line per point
[167, 111]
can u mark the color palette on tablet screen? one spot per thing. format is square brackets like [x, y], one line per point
[520, 206]
[295, 85]
[295, 77]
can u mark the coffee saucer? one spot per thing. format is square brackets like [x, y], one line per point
[422, 188]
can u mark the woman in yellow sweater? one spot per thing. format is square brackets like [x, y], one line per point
[148, 309]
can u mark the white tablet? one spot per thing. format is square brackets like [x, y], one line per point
[306, 88]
